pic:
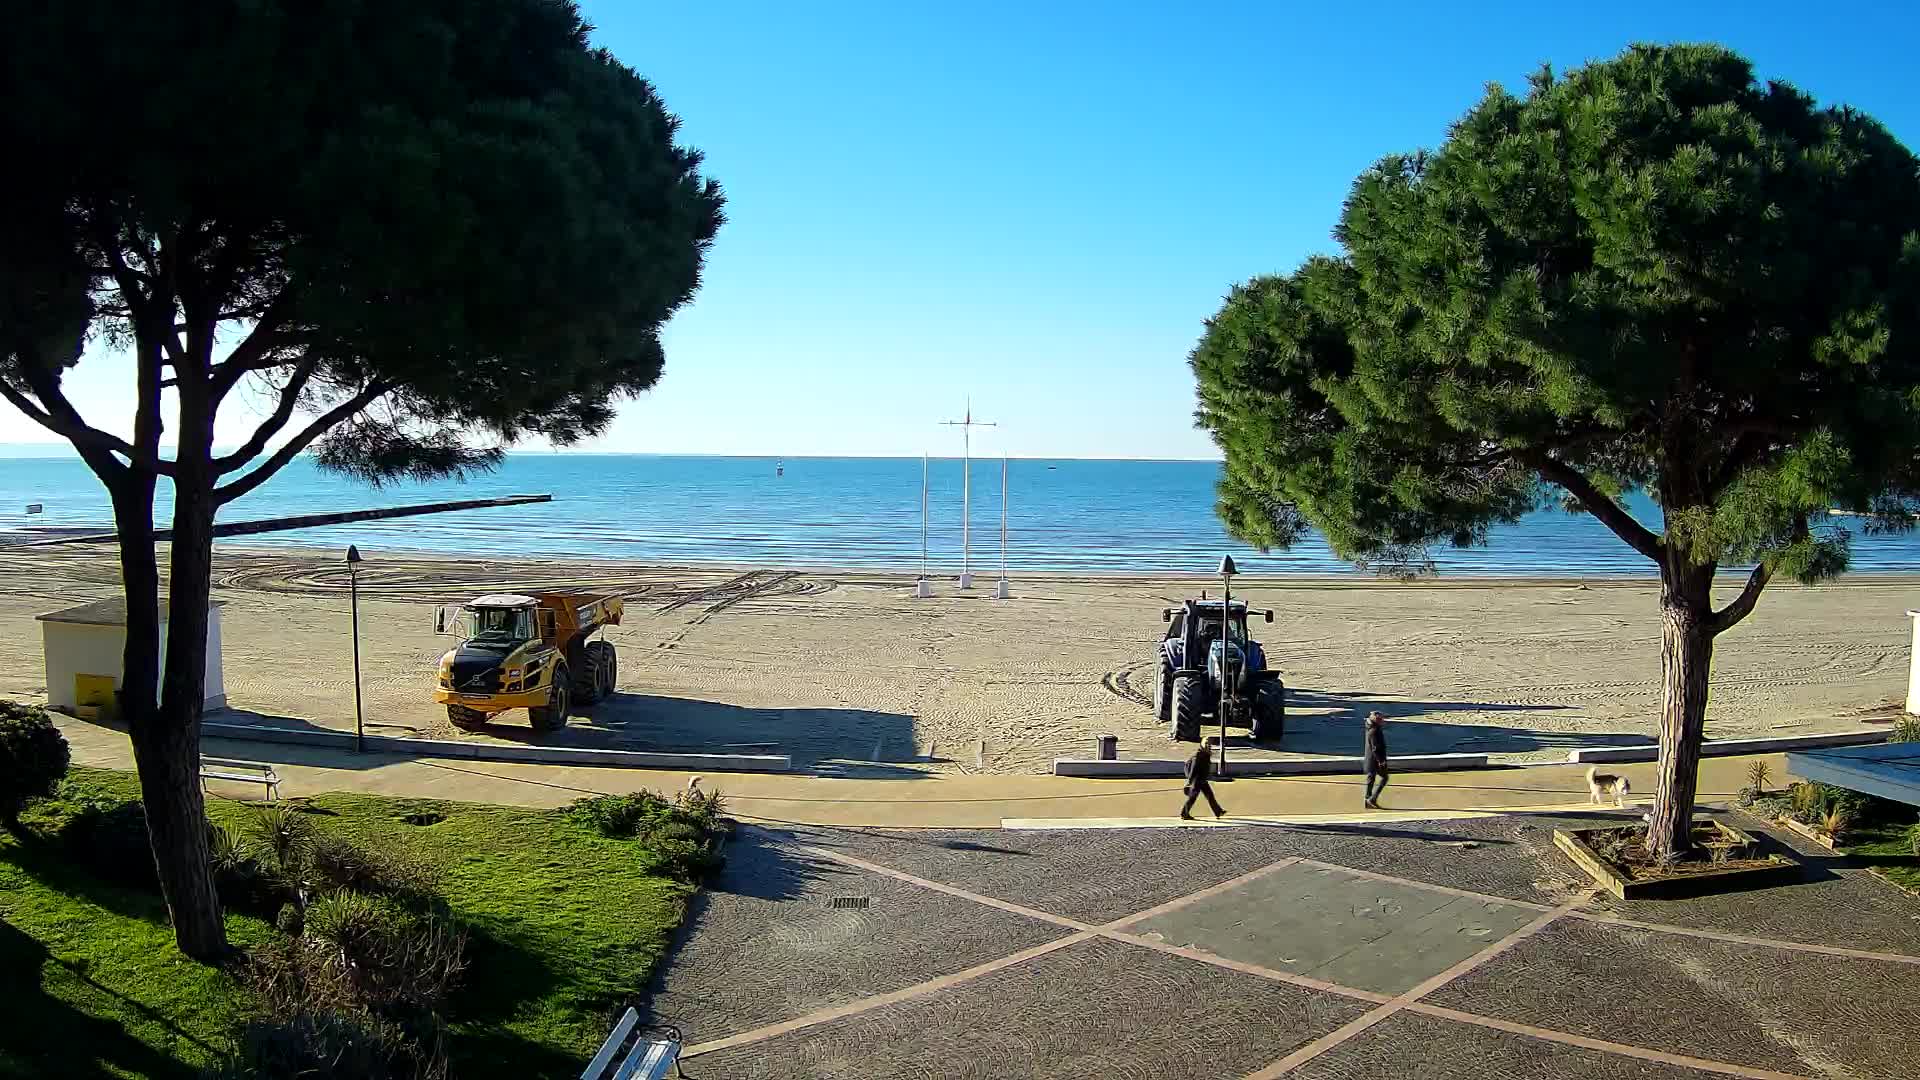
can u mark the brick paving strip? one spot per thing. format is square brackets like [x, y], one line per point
[1387, 1006]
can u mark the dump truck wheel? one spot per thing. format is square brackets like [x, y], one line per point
[586, 677]
[1186, 709]
[466, 719]
[553, 715]
[606, 668]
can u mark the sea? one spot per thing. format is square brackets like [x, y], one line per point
[1069, 516]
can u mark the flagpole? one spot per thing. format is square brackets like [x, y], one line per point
[1003, 592]
[966, 426]
[923, 588]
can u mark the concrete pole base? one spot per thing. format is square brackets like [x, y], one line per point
[922, 589]
[1002, 591]
[966, 581]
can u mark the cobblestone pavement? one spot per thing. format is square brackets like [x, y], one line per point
[1443, 949]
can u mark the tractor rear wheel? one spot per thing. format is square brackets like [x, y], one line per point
[1163, 691]
[1187, 699]
[553, 715]
[1269, 710]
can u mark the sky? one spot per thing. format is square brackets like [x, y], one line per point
[1035, 206]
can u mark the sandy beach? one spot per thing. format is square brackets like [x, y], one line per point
[851, 675]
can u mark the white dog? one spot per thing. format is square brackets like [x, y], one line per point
[1610, 785]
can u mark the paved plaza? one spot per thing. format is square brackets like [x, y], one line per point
[1434, 950]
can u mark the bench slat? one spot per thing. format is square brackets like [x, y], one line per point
[648, 1061]
[598, 1066]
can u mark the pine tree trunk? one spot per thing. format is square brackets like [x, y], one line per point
[176, 816]
[166, 752]
[1686, 662]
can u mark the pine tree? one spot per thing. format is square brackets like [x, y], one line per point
[1650, 274]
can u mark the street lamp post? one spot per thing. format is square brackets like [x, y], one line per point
[353, 592]
[1228, 694]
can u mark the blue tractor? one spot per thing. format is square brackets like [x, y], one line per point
[1210, 670]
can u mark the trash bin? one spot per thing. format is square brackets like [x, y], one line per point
[1107, 747]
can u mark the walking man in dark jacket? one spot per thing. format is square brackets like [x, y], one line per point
[1199, 772]
[1375, 760]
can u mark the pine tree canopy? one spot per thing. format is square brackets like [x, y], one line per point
[1649, 273]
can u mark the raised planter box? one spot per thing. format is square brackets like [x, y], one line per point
[1777, 871]
[1808, 832]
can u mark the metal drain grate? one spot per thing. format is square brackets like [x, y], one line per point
[849, 901]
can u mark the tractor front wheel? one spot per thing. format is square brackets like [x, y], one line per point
[1163, 691]
[1269, 710]
[553, 715]
[1187, 709]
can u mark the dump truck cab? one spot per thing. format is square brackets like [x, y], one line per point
[527, 652]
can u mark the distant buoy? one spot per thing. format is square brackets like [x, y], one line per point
[779, 468]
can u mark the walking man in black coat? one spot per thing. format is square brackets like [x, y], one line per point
[1375, 760]
[1199, 772]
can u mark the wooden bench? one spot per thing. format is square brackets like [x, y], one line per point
[243, 772]
[647, 1057]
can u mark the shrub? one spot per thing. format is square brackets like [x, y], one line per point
[1913, 838]
[33, 759]
[109, 836]
[1836, 821]
[1905, 729]
[372, 953]
[280, 838]
[619, 816]
[326, 1044]
[1759, 778]
[335, 863]
[242, 882]
[1805, 799]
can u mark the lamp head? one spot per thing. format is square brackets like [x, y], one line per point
[353, 555]
[1227, 569]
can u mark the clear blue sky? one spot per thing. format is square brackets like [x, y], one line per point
[1037, 204]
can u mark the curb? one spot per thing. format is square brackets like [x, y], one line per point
[1156, 767]
[544, 755]
[1726, 747]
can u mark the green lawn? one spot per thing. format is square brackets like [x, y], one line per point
[1887, 849]
[565, 926]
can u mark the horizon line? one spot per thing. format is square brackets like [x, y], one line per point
[65, 450]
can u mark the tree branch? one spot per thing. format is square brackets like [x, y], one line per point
[1728, 617]
[59, 416]
[1595, 502]
[253, 353]
[289, 401]
[1748, 447]
[226, 493]
[1742, 606]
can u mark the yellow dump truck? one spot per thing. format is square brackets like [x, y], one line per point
[527, 652]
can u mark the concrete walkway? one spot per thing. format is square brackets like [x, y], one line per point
[977, 801]
[1459, 949]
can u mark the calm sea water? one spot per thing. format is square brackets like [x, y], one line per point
[1088, 516]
